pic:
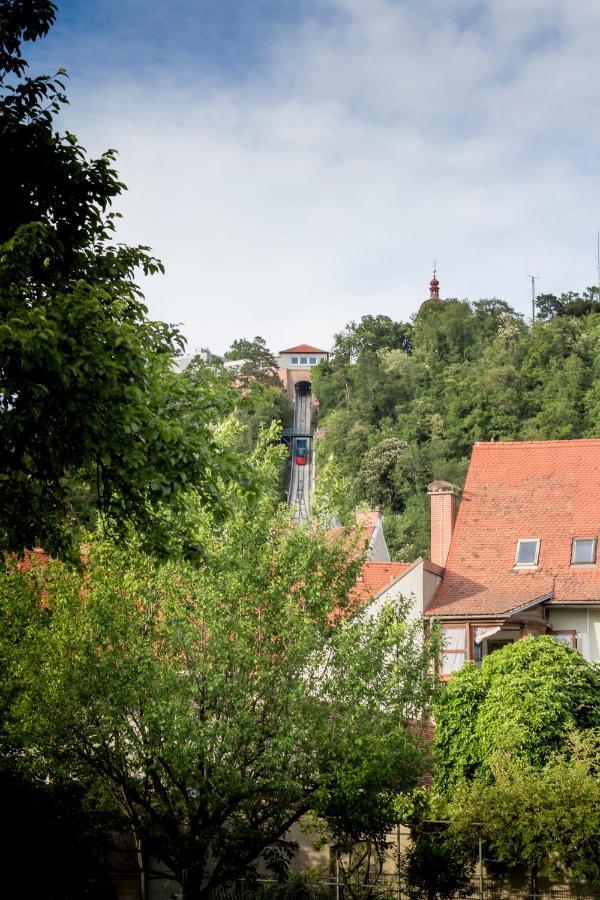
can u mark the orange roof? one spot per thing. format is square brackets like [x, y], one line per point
[531, 489]
[355, 540]
[374, 578]
[369, 518]
[303, 348]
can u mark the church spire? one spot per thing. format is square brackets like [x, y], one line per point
[434, 293]
[434, 286]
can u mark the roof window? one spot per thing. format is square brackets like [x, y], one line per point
[583, 550]
[528, 551]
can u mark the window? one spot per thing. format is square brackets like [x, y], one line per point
[492, 646]
[565, 637]
[454, 653]
[294, 360]
[303, 360]
[583, 550]
[528, 551]
[312, 360]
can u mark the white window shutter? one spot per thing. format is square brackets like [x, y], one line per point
[583, 645]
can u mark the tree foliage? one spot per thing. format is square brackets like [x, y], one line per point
[436, 866]
[259, 363]
[87, 392]
[216, 704]
[524, 700]
[535, 817]
[402, 404]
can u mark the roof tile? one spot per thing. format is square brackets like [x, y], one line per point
[530, 489]
[373, 579]
[303, 348]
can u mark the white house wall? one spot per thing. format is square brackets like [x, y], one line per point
[584, 621]
[378, 551]
[431, 583]
[416, 585]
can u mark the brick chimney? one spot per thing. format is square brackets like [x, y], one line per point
[444, 506]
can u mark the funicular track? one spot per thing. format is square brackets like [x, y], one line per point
[301, 476]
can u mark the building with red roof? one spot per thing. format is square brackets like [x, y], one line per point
[296, 365]
[376, 578]
[304, 349]
[365, 538]
[519, 556]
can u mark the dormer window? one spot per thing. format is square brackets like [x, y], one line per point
[583, 551]
[528, 551]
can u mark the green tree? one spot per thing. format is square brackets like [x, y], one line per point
[525, 700]
[436, 866]
[536, 817]
[371, 334]
[259, 362]
[87, 391]
[548, 306]
[469, 372]
[215, 704]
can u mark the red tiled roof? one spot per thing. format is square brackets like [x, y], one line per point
[374, 578]
[531, 489]
[303, 348]
[356, 540]
[368, 518]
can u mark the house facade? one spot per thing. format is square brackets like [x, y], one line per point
[518, 556]
[296, 365]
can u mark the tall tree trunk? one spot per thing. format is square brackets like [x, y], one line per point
[193, 884]
[141, 862]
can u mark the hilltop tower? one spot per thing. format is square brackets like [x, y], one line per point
[434, 298]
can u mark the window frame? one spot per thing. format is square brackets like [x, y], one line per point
[456, 651]
[294, 360]
[312, 360]
[304, 360]
[499, 644]
[571, 633]
[528, 565]
[587, 562]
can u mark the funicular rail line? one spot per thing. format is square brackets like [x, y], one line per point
[301, 475]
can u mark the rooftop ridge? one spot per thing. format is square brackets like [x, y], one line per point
[541, 443]
[303, 348]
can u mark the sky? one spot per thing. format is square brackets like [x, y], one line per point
[298, 164]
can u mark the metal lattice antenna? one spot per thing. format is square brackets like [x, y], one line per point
[598, 262]
[532, 277]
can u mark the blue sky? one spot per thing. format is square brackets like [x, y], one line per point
[224, 39]
[316, 155]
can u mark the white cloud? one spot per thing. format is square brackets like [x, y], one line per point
[394, 133]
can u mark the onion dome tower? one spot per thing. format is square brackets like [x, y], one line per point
[434, 287]
[434, 293]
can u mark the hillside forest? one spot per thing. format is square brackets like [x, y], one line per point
[401, 403]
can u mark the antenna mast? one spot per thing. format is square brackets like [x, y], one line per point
[598, 263]
[532, 277]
